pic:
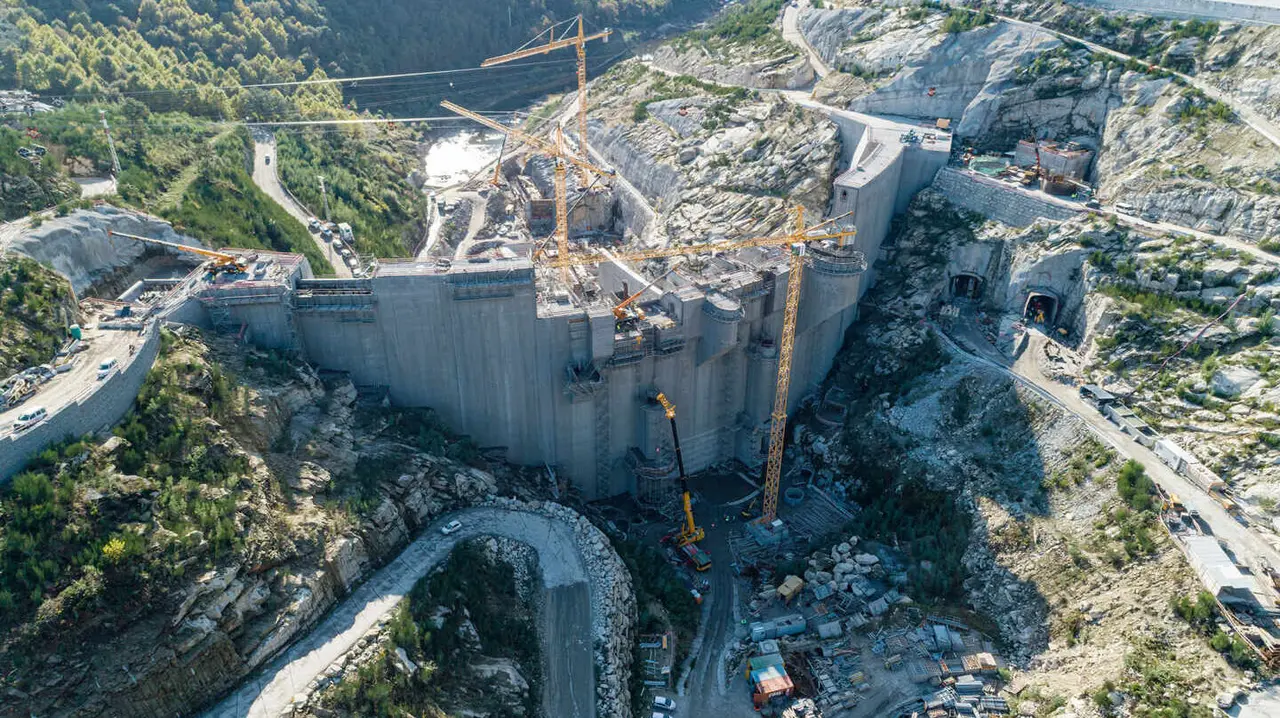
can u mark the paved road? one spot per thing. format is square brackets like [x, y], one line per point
[1249, 547]
[264, 175]
[82, 379]
[567, 642]
[791, 33]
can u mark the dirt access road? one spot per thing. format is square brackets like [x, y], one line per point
[567, 640]
[264, 175]
[1249, 547]
[702, 691]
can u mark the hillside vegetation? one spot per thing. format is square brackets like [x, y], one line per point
[34, 304]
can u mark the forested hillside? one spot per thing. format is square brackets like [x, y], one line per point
[167, 73]
[75, 47]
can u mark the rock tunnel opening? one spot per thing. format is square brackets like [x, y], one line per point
[966, 286]
[1040, 308]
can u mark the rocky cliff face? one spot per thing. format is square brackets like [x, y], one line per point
[1048, 556]
[301, 546]
[1162, 153]
[713, 161]
[77, 246]
[781, 69]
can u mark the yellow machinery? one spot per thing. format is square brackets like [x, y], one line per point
[786, 346]
[620, 311]
[690, 532]
[557, 151]
[579, 42]
[222, 262]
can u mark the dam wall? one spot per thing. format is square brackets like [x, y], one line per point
[553, 382]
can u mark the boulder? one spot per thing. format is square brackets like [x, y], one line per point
[1233, 381]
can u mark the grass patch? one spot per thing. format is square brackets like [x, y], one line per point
[224, 208]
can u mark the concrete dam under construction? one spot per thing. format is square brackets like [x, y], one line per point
[543, 371]
[548, 380]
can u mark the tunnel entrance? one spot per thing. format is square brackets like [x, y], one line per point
[1040, 308]
[966, 286]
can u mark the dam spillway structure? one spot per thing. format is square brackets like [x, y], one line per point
[506, 356]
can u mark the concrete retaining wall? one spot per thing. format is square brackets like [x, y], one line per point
[101, 406]
[996, 199]
[1259, 13]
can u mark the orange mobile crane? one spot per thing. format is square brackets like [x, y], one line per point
[797, 241]
[578, 41]
[558, 152]
[222, 262]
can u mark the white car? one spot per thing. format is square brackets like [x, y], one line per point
[664, 703]
[30, 417]
[106, 367]
[451, 527]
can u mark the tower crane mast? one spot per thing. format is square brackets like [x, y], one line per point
[797, 241]
[579, 42]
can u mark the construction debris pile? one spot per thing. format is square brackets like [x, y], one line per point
[845, 636]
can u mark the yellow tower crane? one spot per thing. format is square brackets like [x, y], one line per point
[578, 41]
[797, 241]
[555, 150]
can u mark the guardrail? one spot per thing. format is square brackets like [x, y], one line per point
[96, 407]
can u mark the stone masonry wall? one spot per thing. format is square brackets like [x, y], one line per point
[613, 604]
[996, 200]
[101, 406]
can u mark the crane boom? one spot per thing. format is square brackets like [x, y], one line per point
[556, 151]
[702, 248]
[578, 42]
[543, 146]
[619, 311]
[690, 532]
[222, 257]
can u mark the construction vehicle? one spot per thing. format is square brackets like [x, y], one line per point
[623, 312]
[797, 241]
[555, 150]
[579, 42]
[690, 532]
[695, 557]
[222, 262]
[1174, 504]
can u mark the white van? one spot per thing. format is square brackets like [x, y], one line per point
[30, 417]
[1126, 208]
[106, 367]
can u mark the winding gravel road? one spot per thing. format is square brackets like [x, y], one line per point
[566, 630]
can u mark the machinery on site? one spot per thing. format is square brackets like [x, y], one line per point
[626, 313]
[555, 150]
[690, 532]
[579, 42]
[797, 241]
[221, 262]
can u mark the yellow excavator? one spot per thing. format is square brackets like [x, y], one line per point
[689, 532]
